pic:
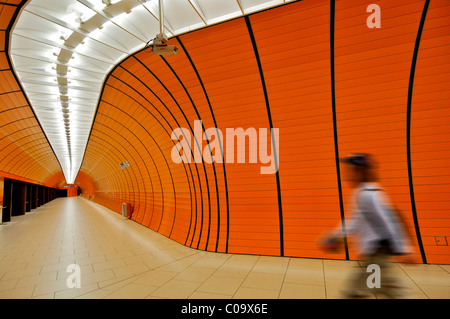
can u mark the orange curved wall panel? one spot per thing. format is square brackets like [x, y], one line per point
[86, 185]
[320, 75]
[25, 152]
[372, 70]
[430, 133]
[297, 77]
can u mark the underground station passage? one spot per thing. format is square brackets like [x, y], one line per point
[236, 128]
[20, 197]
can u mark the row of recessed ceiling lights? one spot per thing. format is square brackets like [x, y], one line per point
[62, 68]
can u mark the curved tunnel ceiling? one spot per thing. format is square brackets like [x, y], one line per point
[332, 92]
[63, 49]
[336, 90]
[25, 153]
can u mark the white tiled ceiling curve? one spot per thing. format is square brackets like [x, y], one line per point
[62, 50]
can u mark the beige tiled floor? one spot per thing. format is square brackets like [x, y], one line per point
[119, 258]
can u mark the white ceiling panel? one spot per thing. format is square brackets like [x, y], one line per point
[219, 9]
[62, 51]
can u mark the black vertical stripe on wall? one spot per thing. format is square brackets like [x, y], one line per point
[161, 124]
[269, 115]
[333, 105]
[196, 142]
[125, 114]
[220, 143]
[140, 156]
[408, 128]
[213, 164]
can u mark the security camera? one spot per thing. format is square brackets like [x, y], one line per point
[166, 49]
[159, 45]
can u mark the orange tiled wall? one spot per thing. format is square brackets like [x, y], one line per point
[86, 185]
[25, 153]
[330, 84]
[72, 191]
[430, 132]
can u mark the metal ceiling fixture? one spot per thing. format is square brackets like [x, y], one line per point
[159, 44]
[62, 51]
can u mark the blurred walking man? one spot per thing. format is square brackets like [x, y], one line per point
[376, 226]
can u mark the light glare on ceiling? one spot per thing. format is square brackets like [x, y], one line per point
[73, 72]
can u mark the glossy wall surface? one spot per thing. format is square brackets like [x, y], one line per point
[328, 82]
[25, 153]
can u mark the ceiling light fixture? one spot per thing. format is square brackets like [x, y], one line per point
[119, 37]
[159, 44]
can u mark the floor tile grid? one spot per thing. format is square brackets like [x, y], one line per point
[39, 270]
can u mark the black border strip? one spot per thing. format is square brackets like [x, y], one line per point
[8, 30]
[140, 156]
[269, 115]
[333, 106]
[11, 4]
[408, 129]
[196, 142]
[131, 146]
[220, 142]
[130, 116]
[168, 124]
[213, 165]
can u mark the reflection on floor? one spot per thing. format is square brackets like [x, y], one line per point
[119, 258]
